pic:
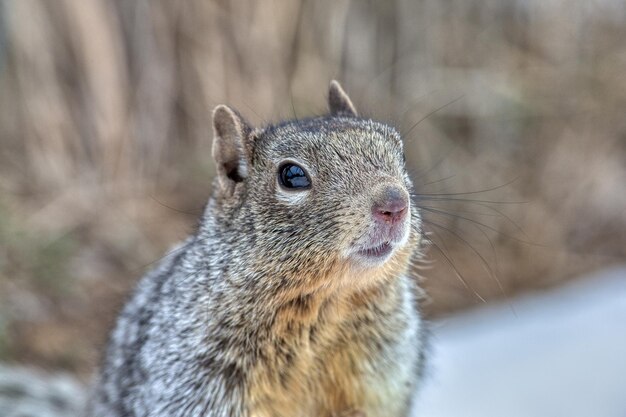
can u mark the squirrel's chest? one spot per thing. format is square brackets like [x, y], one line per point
[320, 377]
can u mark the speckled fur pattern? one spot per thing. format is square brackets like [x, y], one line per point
[260, 313]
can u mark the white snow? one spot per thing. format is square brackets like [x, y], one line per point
[557, 353]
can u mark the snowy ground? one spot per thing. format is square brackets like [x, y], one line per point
[560, 353]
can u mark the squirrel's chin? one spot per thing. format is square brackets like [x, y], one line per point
[373, 256]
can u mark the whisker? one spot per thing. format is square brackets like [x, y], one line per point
[464, 211]
[293, 107]
[486, 266]
[160, 258]
[517, 226]
[468, 200]
[495, 259]
[430, 113]
[444, 213]
[413, 103]
[495, 255]
[437, 181]
[472, 192]
[175, 209]
[190, 275]
[438, 162]
[456, 271]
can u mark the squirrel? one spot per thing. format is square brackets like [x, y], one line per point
[294, 296]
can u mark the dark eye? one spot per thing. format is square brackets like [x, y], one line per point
[293, 176]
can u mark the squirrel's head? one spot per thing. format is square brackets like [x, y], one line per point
[318, 195]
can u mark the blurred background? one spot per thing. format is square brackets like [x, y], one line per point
[513, 114]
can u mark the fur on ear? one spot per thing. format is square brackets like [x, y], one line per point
[339, 103]
[231, 134]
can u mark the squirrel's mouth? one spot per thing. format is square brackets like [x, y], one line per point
[378, 245]
[374, 256]
[377, 252]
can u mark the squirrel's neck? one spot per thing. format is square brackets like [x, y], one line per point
[262, 299]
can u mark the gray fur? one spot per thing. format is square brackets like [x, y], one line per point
[187, 342]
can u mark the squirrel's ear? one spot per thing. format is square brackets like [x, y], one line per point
[231, 134]
[339, 103]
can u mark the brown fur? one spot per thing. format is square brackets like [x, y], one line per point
[288, 389]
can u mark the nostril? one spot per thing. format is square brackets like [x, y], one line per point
[391, 207]
[392, 213]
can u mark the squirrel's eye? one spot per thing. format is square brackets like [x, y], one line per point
[293, 176]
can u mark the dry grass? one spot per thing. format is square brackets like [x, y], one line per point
[105, 138]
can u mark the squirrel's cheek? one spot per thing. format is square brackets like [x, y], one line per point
[292, 198]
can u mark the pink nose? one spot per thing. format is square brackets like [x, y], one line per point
[391, 206]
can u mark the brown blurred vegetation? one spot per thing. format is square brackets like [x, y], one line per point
[105, 138]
